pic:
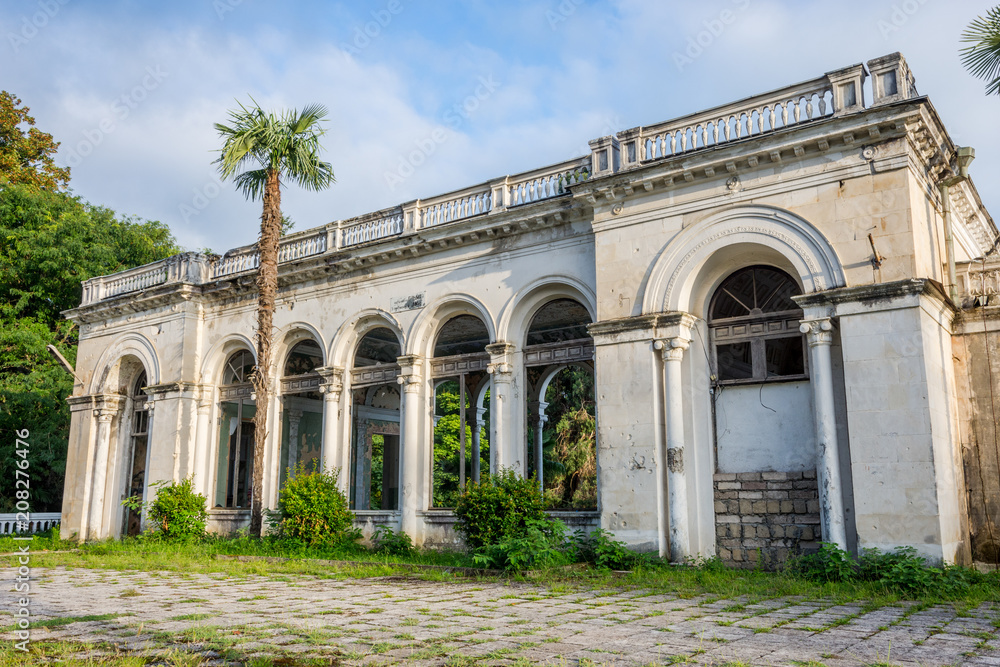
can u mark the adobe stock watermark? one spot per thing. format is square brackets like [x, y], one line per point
[30, 26]
[201, 198]
[223, 7]
[365, 35]
[713, 30]
[121, 108]
[562, 13]
[899, 16]
[454, 117]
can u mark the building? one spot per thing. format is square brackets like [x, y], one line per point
[768, 295]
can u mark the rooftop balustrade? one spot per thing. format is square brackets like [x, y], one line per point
[833, 94]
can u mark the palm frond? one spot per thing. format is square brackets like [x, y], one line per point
[982, 56]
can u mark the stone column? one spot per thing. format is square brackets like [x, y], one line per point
[331, 388]
[476, 452]
[105, 414]
[504, 449]
[294, 419]
[415, 449]
[203, 445]
[819, 335]
[538, 408]
[672, 350]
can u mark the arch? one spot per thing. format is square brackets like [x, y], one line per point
[349, 334]
[219, 353]
[108, 365]
[287, 338]
[424, 329]
[521, 307]
[743, 235]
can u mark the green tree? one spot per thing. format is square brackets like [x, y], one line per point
[259, 150]
[982, 56]
[50, 242]
[26, 157]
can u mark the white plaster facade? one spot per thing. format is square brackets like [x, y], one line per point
[839, 194]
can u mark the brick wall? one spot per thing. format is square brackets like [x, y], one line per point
[765, 516]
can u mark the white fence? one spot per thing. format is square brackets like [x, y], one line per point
[37, 522]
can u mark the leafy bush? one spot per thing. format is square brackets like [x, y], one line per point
[390, 543]
[313, 510]
[540, 544]
[179, 512]
[498, 508]
[902, 570]
[830, 563]
[601, 549]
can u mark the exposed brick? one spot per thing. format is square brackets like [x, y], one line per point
[748, 476]
[810, 485]
[802, 494]
[720, 507]
[810, 518]
[725, 554]
[728, 486]
[724, 477]
[800, 506]
[812, 506]
[746, 506]
[787, 506]
[751, 495]
[774, 476]
[754, 486]
[727, 518]
[780, 486]
[726, 495]
[773, 506]
[760, 506]
[753, 518]
[809, 474]
[776, 495]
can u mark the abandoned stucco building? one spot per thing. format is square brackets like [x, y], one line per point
[783, 301]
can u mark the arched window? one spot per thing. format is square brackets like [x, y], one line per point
[135, 478]
[234, 466]
[755, 327]
[301, 411]
[461, 388]
[562, 453]
[375, 423]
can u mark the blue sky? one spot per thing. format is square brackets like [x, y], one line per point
[132, 89]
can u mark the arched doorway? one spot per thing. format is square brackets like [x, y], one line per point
[375, 403]
[562, 447]
[234, 463]
[461, 390]
[301, 411]
[137, 455]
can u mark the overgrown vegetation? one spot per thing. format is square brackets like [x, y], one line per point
[498, 508]
[903, 571]
[313, 510]
[178, 512]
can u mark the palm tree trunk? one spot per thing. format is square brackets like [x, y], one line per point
[267, 286]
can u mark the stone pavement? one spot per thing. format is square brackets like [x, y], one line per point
[411, 621]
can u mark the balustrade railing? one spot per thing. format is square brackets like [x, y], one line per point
[137, 279]
[36, 522]
[548, 182]
[978, 280]
[449, 208]
[248, 259]
[371, 228]
[750, 117]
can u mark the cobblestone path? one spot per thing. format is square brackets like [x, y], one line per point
[410, 621]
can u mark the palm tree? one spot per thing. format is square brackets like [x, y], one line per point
[982, 56]
[259, 150]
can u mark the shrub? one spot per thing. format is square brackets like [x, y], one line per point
[313, 510]
[540, 544]
[830, 563]
[178, 511]
[602, 549]
[498, 508]
[390, 543]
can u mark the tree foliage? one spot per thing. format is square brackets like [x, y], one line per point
[26, 155]
[50, 242]
[982, 56]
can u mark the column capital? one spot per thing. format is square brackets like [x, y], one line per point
[332, 381]
[107, 406]
[672, 349]
[818, 331]
[500, 366]
[411, 372]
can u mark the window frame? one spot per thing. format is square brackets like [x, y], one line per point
[756, 329]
